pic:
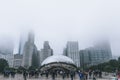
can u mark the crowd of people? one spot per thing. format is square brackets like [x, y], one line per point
[59, 73]
[36, 74]
[8, 73]
[83, 75]
[25, 73]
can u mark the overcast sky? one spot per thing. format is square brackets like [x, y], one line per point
[59, 21]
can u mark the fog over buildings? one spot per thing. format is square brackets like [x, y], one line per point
[85, 21]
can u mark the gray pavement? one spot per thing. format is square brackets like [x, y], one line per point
[20, 77]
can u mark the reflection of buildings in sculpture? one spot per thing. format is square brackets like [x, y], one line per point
[100, 53]
[45, 52]
[30, 53]
[58, 62]
[72, 51]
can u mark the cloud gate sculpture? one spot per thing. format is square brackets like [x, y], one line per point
[58, 62]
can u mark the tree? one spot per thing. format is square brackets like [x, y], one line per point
[20, 69]
[119, 59]
[108, 68]
[3, 64]
[32, 68]
[113, 63]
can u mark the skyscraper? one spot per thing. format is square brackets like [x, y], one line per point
[29, 51]
[84, 58]
[17, 60]
[97, 54]
[72, 51]
[104, 46]
[23, 39]
[45, 52]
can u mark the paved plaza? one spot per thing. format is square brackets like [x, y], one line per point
[20, 77]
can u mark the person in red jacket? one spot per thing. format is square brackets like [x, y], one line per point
[118, 75]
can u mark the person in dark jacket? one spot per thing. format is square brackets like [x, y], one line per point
[24, 75]
[71, 75]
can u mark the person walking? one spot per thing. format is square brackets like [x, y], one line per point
[63, 75]
[90, 74]
[53, 75]
[12, 74]
[94, 77]
[24, 75]
[71, 75]
[100, 74]
[118, 75]
[81, 75]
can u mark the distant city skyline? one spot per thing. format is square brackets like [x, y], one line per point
[61, 21]
[16, 49]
